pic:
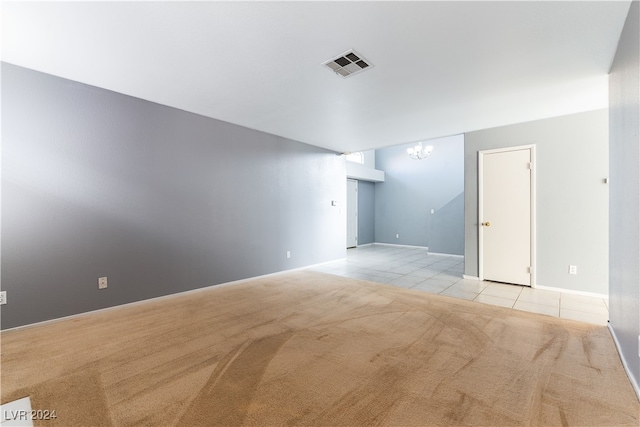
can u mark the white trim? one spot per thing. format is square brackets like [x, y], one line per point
[571, 291]
[480, 215]
[402, 246]
[364, 173]
[632, 380]
[163, 297]
[451, 255]
[533, 243]
[464, 276]
[348, 196]
[534, 167]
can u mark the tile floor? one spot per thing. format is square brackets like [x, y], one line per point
[415, 268]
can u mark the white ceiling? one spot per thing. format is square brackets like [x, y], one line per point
[441, 68]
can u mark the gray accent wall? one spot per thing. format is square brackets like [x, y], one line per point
[412, 188]
[624, 228]
[159, 200]
[572, 198]
[366, 212]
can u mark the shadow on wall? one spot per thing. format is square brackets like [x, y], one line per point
[447, 228]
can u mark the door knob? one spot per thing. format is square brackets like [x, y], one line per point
[486, 224]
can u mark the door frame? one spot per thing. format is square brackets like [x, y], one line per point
[356, 212]
[481, 154]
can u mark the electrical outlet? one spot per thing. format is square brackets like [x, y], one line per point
[397, 236]
[288, 254]
[102, 283]
[3, 297]
[573, 269]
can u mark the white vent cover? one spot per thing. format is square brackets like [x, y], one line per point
[348, 64]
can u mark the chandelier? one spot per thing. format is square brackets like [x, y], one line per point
[419, 152]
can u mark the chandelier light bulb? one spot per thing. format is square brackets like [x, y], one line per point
[419, 153]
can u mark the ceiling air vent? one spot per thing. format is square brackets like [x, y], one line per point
[348, 64]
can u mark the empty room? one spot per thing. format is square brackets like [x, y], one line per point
[320, 213]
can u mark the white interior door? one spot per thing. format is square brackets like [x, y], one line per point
[352, 213]
[506, 215]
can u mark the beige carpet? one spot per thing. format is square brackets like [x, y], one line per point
[307, 348]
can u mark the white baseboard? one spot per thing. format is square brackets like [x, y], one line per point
[414, 247]
[451, 255]
[571, 291]
[464, 276]
[634, 382]
[163, 297]
[402, 246]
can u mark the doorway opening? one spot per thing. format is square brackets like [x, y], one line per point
[352, 213]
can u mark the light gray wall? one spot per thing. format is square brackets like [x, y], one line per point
[572, 198]
[447, 228]
[366, 212]
[95, 183]
[624, 229]
[370, 158]
[413, 187]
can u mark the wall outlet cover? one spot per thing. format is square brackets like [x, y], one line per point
[102, 283]
[3, 297]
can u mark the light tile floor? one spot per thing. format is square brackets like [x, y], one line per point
[415, 268]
